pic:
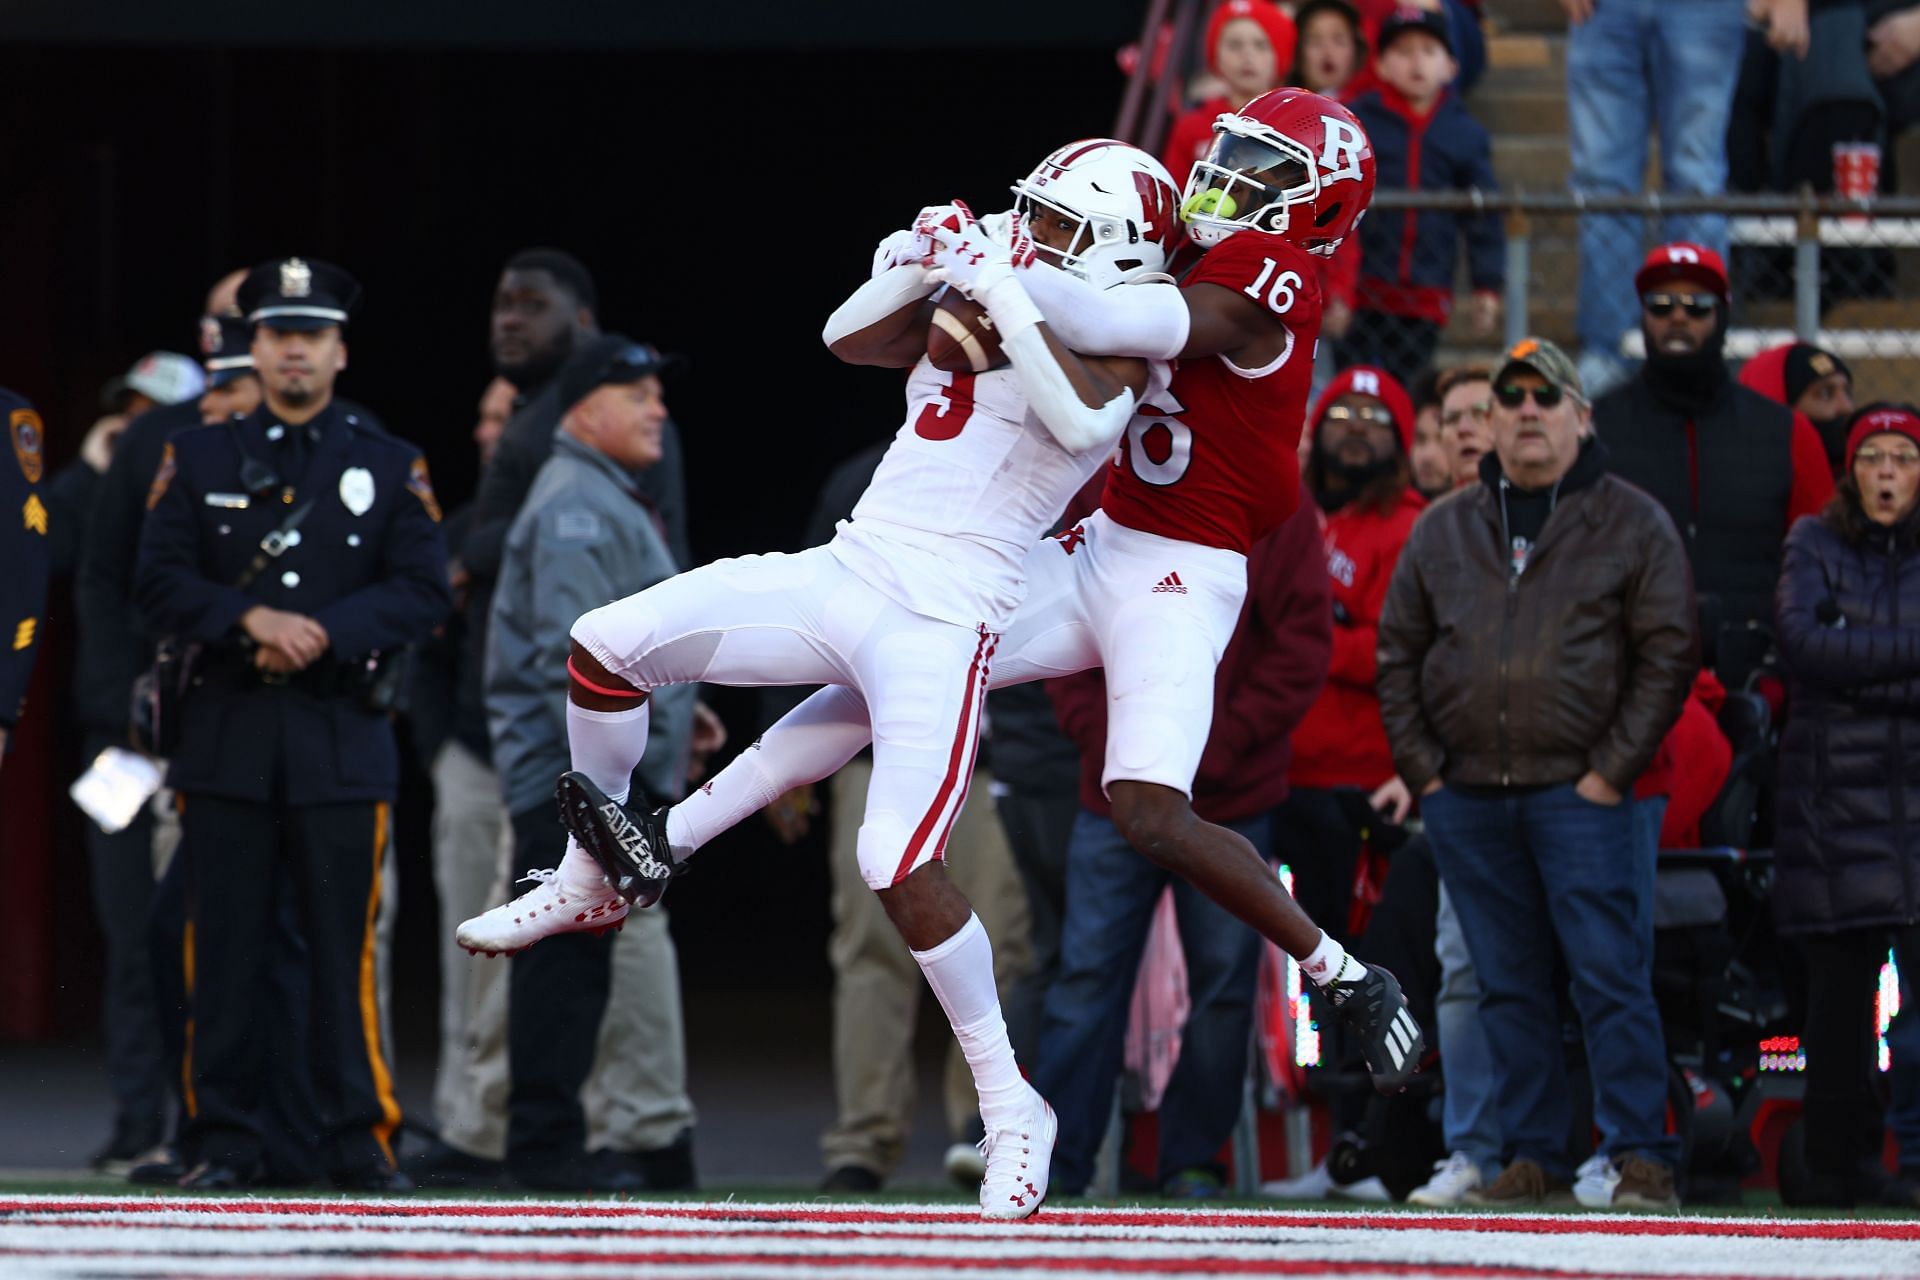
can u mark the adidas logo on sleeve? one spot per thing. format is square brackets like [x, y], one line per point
[1172, 583]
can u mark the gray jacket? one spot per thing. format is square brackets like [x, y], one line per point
[582, 539]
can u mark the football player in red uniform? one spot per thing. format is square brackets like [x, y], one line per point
[1205, 472]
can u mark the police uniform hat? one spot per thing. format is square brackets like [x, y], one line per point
[609, 358]
[298, 293]
[226, 348]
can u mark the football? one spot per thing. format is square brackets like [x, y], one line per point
[961, 338]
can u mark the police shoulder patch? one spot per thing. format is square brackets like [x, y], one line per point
[421, 487]
[162, 478]
[23, 428]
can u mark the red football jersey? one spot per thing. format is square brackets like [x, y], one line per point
[1213, 459]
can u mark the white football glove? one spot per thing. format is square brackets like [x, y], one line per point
[972, 261]
[897, 250]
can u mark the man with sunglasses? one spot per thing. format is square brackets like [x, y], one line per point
[1733, 469]
[1536, 645]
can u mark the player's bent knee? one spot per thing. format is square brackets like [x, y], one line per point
[600, 634]
[882, 850]
[1152, 818]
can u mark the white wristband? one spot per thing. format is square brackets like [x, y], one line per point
[1012, 310]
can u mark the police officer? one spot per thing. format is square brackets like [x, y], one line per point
[300, 547]
[24, 550]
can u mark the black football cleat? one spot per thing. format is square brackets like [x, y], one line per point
[629, 845]
[1375, 1010]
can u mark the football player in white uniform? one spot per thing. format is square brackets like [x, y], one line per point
[905, 605]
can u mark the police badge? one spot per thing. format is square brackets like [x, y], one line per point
[356, 490]
[296, 281]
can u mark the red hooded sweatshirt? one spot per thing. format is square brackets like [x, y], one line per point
[1342, 742]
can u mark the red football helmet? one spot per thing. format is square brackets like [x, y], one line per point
[1290, 162]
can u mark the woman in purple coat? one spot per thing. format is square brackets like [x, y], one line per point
[1848, 842]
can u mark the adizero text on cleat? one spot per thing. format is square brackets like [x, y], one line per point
[1374, 1008]
[550, 907]
[629, 846]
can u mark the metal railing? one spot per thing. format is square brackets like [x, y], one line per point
[1837, 272]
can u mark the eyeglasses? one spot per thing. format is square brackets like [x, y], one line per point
[1478, 411]
[1365, 413]
[1698, 306]
[1512, 397]
[1905, 459]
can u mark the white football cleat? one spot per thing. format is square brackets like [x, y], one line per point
[548, 908]
[1019, 1158]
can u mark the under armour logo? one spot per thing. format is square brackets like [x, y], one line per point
[1072, 538]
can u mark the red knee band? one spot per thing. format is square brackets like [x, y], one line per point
[600, 689]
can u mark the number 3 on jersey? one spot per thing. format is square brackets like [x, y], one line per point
[944, 417]
[1280, 299]
[1157, 445]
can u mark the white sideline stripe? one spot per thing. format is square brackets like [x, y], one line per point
[826, 1269]
[1576, 1252]
[734, 1214]
[1863, 232]
[1848, 344]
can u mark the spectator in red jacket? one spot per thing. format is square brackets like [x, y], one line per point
[1359, 476]
[1269, 675]
[1815, 384]
[1249, 46]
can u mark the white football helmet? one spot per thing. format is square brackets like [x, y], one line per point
[1124, 200]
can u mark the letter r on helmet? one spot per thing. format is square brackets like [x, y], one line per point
[1340, 157]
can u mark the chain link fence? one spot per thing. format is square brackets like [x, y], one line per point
[1838, 273]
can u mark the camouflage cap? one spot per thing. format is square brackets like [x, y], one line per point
[1545, 359]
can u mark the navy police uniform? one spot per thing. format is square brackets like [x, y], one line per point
[289, 775]
[24, 550]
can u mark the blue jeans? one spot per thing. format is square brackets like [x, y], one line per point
[1111, 892]
[1634, 65]
[1543, 872]
[1468, 1115]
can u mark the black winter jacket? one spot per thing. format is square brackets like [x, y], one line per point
[1848, 806]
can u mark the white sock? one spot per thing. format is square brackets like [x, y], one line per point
[960, 971]
[1331, 963]
[579, 872]
[738, 791]
[607, 745]
[809, 743]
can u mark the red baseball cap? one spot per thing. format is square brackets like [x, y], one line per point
[1690, 261]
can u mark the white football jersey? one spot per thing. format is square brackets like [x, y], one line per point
[972, 480]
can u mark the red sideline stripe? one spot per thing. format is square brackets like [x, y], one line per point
[973, 753]
[960, 740]
[1544, 1224]
[1103, 1264]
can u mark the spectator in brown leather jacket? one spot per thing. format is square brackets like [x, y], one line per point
[1536, 645]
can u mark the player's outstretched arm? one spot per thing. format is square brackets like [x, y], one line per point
[1084, 402]
[885, 321]
[1160, 321]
